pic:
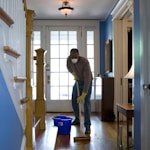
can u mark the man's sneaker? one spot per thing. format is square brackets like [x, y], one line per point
[87, 130]
[75, 122]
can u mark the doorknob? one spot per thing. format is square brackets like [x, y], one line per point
[146, 86]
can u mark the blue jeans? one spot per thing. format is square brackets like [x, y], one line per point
[87, 103]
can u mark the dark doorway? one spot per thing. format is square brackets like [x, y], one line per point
[129, 64]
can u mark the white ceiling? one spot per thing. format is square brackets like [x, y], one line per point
[83, 9]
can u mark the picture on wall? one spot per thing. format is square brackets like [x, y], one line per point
[108, 56]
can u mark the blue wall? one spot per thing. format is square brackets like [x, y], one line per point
[105, 34]
[137, 61]
[11, 132]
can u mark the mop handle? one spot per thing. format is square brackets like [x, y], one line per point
[78, 93]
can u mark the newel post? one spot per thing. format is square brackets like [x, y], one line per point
[29, 109]
[40, 96]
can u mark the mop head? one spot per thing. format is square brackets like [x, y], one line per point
[82, 138]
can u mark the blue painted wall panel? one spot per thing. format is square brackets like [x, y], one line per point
[137, 62]
[105, 34]
[11, 131]
[109, 28]
[102, 42]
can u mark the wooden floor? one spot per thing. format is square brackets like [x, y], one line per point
[103, 136]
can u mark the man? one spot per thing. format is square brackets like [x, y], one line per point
[80, 69]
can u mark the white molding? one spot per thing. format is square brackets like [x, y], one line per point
[121, 23]
[125, 27]
[62, 23]
[122, 7]
[118, 43]
[23, 144]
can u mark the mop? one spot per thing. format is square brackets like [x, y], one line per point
[82, 136]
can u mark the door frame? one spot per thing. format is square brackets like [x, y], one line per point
[122, 20]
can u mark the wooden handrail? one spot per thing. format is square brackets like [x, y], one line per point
[10, 52]
[4, 16]
[19, 79]
[25, 7]
[24, 100]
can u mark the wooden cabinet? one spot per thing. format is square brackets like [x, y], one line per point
[107, 105]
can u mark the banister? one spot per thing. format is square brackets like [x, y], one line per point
[10, 52]
[5, 17]
[19, 79]
[24, 100]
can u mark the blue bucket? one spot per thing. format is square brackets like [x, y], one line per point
[63, 123]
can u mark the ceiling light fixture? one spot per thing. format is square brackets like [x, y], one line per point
[65, 9]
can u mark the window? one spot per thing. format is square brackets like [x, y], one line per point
[96, 86]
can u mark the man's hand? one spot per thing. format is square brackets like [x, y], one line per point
[81, 98]
[75, 76]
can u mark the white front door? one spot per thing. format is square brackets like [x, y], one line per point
[59, 80]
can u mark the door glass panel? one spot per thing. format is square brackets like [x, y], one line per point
[55, 37]
[90, 37]
[71, 80]
[91, 58]
[91, 61]
[61, 79]
[54, 48]
[63, 51]
[54, 79]
[63, 37]
[72, 37]
[63, 67]
[90, 51]
[63, 94]
[72, 46]
[54, 65]
[54, 93]
[98, 87]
